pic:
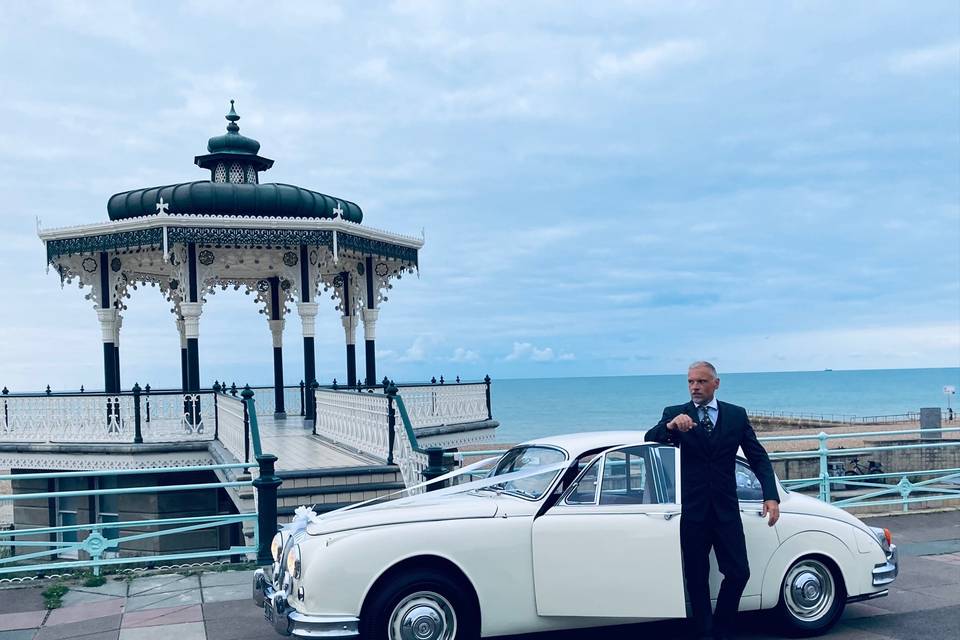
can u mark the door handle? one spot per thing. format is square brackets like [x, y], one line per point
[669, 514]
[753, 511]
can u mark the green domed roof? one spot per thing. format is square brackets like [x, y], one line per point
[233, 145]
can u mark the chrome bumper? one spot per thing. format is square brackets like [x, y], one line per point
[884, 574]
[288, 621]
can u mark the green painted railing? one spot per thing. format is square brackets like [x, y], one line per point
[906, 491]
[108, 543]
[65, 552]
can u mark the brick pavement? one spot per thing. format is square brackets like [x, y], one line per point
[923, 603]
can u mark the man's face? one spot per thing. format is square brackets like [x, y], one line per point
[702, 384]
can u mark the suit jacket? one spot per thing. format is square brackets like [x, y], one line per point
[708, 463]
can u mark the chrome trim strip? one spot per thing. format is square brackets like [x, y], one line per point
[868, 596]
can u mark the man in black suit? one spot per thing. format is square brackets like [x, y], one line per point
[708, 433]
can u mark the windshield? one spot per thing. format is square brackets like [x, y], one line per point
[528, 459]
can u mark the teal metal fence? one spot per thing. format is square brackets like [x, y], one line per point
[898, 488]
[110, 542]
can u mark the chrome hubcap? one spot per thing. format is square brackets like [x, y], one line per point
[424, 615]
[808, 590]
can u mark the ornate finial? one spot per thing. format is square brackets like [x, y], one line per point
[162, 206]
[233, 127]
[6, 391]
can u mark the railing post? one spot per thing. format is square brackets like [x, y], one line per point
[216, 414]
[246, 394]
[303, 407]
[313, 402]
[486, 381]
[436, 467]
[147, 390]
[137, 433]
[391, 392]
[905, 487]
[6, 415]
[266, 485]
[824, 473]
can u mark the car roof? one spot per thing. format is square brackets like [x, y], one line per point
[577, 443]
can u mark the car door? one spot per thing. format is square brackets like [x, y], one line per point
[610, 547]
[762, 540]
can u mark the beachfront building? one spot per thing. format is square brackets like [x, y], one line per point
[291, 249]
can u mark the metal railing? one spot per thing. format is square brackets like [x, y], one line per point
[838, 418]
[909, 488]
[109, 541]
[129, 417]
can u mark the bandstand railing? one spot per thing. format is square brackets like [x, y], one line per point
[129, 417]
[109, 542]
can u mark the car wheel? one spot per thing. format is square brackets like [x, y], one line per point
[421, 605]
[812, 597]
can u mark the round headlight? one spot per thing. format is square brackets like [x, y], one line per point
[293, 561]
[276, 547]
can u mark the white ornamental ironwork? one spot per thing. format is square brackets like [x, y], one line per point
[358, 421]
[77, 418]
[177, 417]
[231, 427]
[433, 406]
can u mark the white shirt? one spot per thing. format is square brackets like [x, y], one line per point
[712, 409]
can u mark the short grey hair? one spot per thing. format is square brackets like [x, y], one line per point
[705, 365]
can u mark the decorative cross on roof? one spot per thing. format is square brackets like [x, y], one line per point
[162, 206]
[338, 211]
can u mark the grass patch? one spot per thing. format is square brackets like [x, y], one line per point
[94, 581]
[53, 596]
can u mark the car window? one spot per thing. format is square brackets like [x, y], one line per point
[667, 457]
[528, 459]
[748, 486]
[585, 489]
[627, 477]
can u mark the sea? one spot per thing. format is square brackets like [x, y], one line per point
[536, 407]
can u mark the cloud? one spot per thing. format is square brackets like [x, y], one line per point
[464, 355]
[527, 351]
[417, 352]
[944, 56]
[649, 60]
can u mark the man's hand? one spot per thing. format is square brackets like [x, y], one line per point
[682, 422]
[771, 507]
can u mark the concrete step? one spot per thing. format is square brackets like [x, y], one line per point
[329, 489]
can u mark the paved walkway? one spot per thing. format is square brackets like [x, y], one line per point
[924, 602]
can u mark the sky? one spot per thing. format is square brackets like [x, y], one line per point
[605, 188]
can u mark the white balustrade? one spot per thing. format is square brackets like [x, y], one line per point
[77, 418]
[176, 417]
[264, 401]
[231, 429]
[291, 401]
[411, 463]
[359, 421]
[433, 406]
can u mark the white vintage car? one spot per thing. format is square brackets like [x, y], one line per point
[566, 532]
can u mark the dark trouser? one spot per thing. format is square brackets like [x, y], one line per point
[726, 538]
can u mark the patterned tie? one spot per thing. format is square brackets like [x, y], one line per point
[706, 422]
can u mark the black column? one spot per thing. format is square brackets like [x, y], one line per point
[369, 346]
[275, 314]
[310, 371]
[309, 357]
[193, 364]
[109, 368]
[184, 370]
[348, 315]
[116, 366]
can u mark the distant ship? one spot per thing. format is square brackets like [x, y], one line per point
[828, 369]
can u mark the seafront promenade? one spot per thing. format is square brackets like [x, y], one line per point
[924, 602]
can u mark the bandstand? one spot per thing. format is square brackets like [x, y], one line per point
[284, 244]
[101, 476]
